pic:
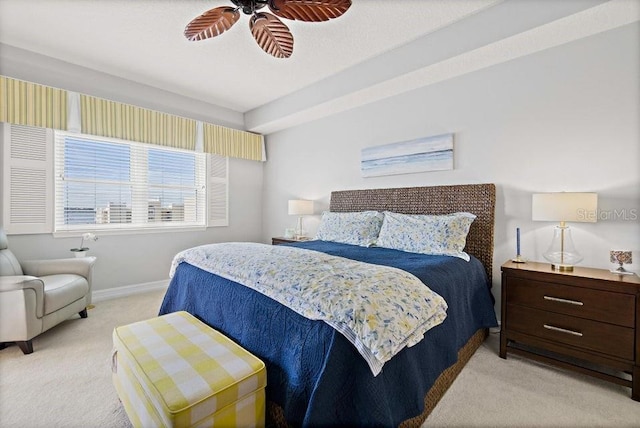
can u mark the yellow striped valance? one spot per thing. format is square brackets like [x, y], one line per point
[25, 103]
[126, 122]
[231, 142]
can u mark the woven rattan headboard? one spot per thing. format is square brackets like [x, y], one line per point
[478, 199]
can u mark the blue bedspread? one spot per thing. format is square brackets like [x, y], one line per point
[313, 372]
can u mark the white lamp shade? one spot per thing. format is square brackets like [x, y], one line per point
[565, 206]
[300, 207]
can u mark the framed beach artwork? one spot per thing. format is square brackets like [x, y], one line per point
[422, 154]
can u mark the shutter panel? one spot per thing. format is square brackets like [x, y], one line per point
[27, 179]
[218, 177]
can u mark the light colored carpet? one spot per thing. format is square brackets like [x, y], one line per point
[518, 392]
[66, 382]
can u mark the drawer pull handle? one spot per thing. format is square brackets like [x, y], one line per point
[557, 299]
[562, 330]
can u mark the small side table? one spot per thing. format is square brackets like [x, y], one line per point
[587, 320]
[282, 240]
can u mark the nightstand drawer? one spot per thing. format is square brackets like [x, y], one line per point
[591, 335]
[598, 305]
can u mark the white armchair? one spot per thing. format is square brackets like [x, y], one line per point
[39, 294]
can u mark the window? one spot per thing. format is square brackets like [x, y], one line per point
[109, 184]
[53, 181]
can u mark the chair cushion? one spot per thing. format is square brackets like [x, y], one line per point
[61, 290]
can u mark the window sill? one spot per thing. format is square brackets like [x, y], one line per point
[127, 231]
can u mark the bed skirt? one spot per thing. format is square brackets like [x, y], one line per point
[275, 413]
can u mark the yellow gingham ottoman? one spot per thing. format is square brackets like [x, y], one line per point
[175, 371]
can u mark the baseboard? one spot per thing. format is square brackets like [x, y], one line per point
[128, 290]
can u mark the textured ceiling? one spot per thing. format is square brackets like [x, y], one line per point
[379, 48]
[142, 41]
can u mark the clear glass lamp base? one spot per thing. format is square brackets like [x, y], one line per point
[562, 253]
[563, 262]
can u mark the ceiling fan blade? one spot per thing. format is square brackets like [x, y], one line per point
[211, 23]
[272, 35]
[309, 10]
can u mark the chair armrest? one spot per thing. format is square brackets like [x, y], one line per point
[80, 266]
[20, 282]
[24, 282]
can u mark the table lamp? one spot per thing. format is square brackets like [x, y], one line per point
[564, 207]
[300, 207]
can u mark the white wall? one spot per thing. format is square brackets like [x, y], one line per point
[565, 119]
[143, 258]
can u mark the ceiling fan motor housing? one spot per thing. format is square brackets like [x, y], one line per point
[250, 6]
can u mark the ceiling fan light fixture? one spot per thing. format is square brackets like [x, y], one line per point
[249, 7]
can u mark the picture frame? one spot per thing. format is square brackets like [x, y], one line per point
[434, 153]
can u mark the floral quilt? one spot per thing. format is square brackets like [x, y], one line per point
[379, 309]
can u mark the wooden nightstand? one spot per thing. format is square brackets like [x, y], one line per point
[282, 240]
[587, 320]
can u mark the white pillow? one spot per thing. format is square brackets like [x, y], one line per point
[426, 234]
[356, 228]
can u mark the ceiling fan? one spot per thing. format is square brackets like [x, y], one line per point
[271, 34]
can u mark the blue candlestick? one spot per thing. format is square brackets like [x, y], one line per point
[517, 241]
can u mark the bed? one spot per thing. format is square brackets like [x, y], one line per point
[315, 375]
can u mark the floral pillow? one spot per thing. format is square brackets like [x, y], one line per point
[356, 228]
[426, 234]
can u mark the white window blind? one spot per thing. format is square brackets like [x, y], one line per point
[105, 184]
